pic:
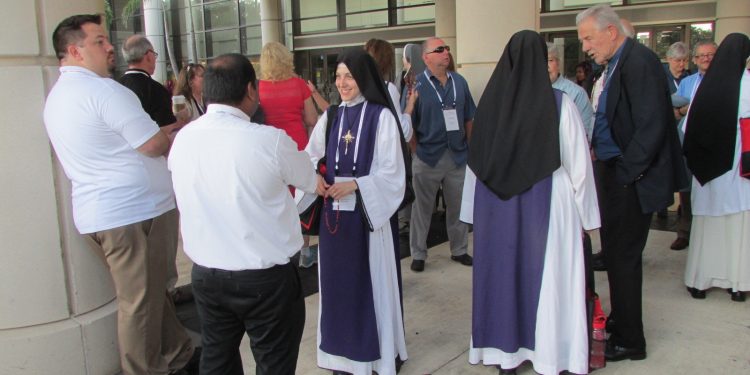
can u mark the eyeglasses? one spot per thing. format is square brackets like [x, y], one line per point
[705, 55]
[154, 52]
[440, 49]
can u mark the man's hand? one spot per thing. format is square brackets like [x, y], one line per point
[322, 187]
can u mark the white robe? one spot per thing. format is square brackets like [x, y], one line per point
[378, 189]
[719, 254]
[561, 332]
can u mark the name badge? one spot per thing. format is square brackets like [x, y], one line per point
[348, 202]
[451, 119]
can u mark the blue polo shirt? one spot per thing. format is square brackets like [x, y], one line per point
[428, 121]
[605, 147]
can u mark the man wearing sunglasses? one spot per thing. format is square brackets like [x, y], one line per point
[442, 122]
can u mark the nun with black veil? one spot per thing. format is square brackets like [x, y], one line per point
[717, 141]
[534, 195]
[360, 326]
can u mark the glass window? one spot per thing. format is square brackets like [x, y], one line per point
[553, 5]
[666, 36]
[319, 25]
[352, 6]
[316, 8]
[643, 37]
[249, 12]
[200, 46]
[251, 41]
[365, 20]
[417, 14]
[178, 21]
[701, 31]
[198, 24]
[221, 42]
[221, 14]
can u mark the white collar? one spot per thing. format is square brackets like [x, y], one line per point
[227, 109]
[358, 99]
[78, 69]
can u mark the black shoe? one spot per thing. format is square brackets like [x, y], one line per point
[597, 262]
[697, 293]
[464, 259]
[737, 296]
[615, 353]
[662, 213]
[507, 372]
[680, 244]
[609, 327]
[417, 265]
[399, 363]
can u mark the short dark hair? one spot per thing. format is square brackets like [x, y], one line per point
[70, 31]
[226, 78]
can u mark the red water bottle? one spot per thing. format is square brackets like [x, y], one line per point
[599, 337]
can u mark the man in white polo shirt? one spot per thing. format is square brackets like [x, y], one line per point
[122, 196]
[240, 225]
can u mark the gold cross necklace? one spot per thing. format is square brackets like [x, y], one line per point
[348, 138]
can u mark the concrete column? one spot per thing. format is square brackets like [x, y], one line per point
[732, 16]
[445, 25]
[57, 308]
[483, 28]
[153, 25]
[270, 21]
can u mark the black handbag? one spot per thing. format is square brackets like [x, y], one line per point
[309, 219]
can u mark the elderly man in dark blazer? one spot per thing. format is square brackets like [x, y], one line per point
[638, 165]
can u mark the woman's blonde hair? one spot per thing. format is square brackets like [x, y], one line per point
[276, 62]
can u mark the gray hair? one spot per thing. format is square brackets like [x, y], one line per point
[702, 43]
[135, 48]
[627, 27]
[552, 51]
[678, 51]
[604, 16]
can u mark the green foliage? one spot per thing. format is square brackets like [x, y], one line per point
[131, 8]
[108, 13]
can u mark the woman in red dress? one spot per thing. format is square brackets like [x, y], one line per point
[287, 104]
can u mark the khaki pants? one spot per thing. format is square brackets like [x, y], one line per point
[151, 338]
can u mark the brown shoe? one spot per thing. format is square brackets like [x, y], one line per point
[680, 244]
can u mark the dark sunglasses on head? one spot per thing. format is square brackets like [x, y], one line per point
[440, 49]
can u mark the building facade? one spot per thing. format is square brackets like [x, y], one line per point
[57, 307]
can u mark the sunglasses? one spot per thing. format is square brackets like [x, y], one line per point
[440, 49]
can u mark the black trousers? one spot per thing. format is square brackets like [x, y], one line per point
[266, 304]
[624, 233]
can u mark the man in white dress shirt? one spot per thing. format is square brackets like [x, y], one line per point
[123, 202]
[240, 224]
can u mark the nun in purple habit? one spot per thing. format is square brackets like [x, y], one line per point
[534, 195]
[360, 326]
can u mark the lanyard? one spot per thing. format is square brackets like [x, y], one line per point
[356, 142]
[201, 111]
[438, 93]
